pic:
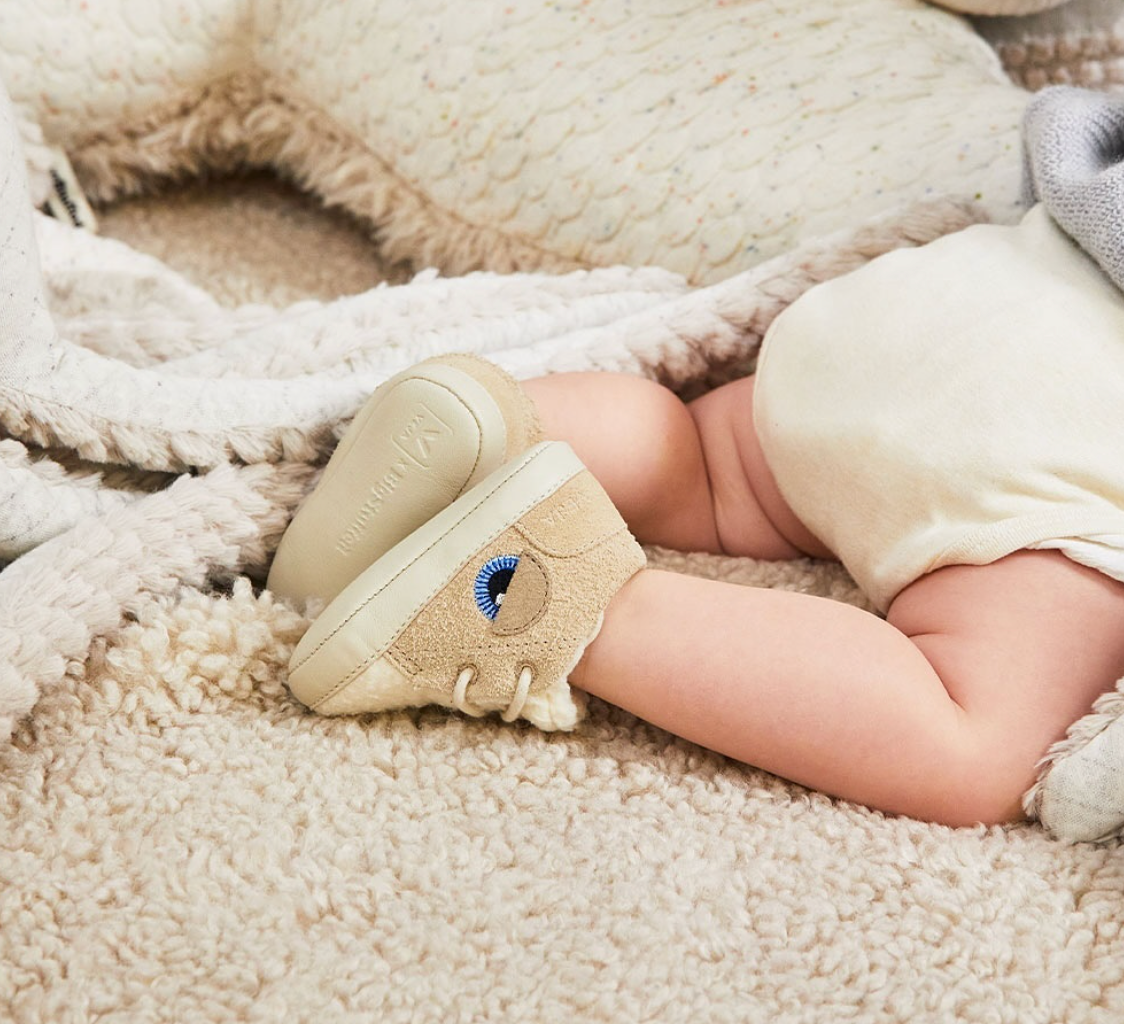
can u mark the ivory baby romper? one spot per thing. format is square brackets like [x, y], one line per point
[952, 404]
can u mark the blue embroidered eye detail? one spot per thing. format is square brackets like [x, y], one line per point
[492, 582]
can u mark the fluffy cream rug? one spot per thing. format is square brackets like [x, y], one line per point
[183, 842]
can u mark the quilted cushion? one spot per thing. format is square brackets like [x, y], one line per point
[699, 136]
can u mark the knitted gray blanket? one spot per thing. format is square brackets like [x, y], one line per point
[1074, 163]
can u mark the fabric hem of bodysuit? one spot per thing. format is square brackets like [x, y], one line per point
[988, 544]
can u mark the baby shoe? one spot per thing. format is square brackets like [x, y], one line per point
[486, 607]
[422, 439]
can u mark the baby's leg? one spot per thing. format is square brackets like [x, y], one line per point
[940, 712]
[688, 477]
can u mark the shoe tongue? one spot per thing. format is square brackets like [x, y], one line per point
[525, 599]
[575, 518]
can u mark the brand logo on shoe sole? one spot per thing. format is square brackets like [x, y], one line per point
[416, 443]
[421, 435]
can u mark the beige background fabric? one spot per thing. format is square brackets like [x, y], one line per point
[253, 238]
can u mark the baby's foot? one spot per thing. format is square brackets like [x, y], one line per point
[486, 607]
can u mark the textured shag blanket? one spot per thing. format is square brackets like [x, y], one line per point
[183, 842]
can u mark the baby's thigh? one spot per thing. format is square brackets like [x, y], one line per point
[1024, 646]
[752, 515]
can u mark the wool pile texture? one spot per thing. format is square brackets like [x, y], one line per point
[184, 842]
[1078, 42]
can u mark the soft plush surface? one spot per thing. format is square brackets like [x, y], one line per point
[253, 238]
[183, 842]
[1078, 43]
[696, 136]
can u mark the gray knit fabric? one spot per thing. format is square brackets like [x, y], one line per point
[1074, 164]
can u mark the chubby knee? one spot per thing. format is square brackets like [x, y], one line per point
[982, 785]
[661, 476]
[983, 762]
[668, 462]
[639, 440]
[1023, 646]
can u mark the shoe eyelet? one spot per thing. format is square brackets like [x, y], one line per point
[492, 582]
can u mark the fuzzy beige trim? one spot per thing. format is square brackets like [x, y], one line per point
[245, 121]
[1092, 59]
[993, 8]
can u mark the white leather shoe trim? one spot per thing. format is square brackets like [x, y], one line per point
[381, 687]
[367, 617]
[381, 484]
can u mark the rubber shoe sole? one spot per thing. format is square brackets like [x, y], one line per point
[419, 442]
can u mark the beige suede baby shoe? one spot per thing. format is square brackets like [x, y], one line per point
[486, 607]
[421, 440]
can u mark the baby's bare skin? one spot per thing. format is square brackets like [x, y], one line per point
[940, 711]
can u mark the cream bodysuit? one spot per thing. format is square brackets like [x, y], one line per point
[952, 404]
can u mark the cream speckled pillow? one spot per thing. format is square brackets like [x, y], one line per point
[698, 136]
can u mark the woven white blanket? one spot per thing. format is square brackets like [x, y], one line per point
[698, 136]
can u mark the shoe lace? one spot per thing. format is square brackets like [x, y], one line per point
[518, 699]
